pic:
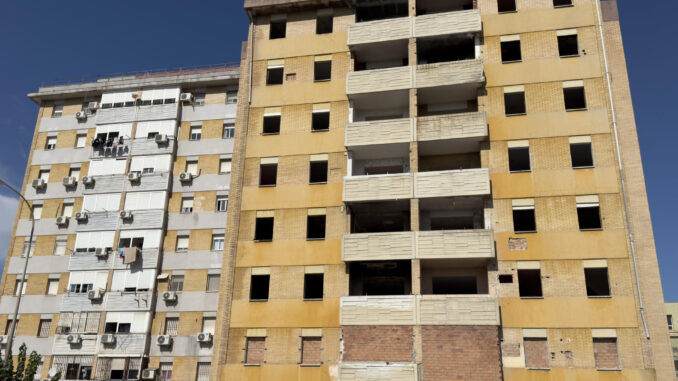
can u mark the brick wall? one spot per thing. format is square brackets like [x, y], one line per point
[605, 352]
[536, 353]
[311, 348]
[256, 348]
[453, 353]
[377, 343]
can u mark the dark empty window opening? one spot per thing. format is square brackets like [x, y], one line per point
[448, 49]
[268, 175]
[529, 283]
[582, 155]
[380, 278]
[370, 11]
[519, 159]
[505, 278]
[597, 282]
[313, 286]
[320, 121]
[562, 3]
[322, 71]
[263, 229]
[271, 124]
[575, 99]
[315, 227]
[514, 103]
[504, 6]
[454, 285]
[589, 217]
[274, 76]
[523, 220]
[318, 172]
[278, 29]
[259, 287]
[568, 45]
[323, 24]
[510, 51]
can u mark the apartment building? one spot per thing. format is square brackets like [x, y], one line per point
[128, 178]
[438, 190]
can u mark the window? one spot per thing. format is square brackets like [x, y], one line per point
[203, 371]
[182, 243]
[324, 24]
[165, 371]
[259, 285]
[605, 353]
[187, 205]
[263, 230]
[581, 154]
[669, 320]
[313, 286]
[597, 282]
[268, 174]
[199, 98]
[562, 3]
[318, 172]
[529, 283]
[176, 283]
[67, 210]
[514, 102]
[58, 110]
[196, 133]
[60, 247]
[519, 159]
[171, 326]
[213, 283]
[315, 227]
[575, 99]
[320, 121]
[44, 174]
[25, 249]
[505, 278]
[311, 350]
[278, 28]
[209, 324]
[74, 367]
[274, 75]
[37, 211]
[78, 322]
[192, 167]
[229, 131]
[255, 348]
[117, 327]
[588, 215]
[8, 327]
[510, 49]
[225, 166]
[523, 219]
[52, 286]
[232, 96]
[536, 352]
[75, 173]
[504, 6]
[271, 124]
[19, 286]
[51, 143]
[222, 203]
[81, 141]
[322, 71]
[568, 46]
[217, 242]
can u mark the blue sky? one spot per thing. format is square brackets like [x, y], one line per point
[41, 41]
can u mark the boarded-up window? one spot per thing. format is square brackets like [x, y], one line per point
[536, 353]
[310, 350]
[255, 349]
[605, 353]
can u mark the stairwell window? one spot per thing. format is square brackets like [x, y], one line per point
[43, 327]
[568, 44]
[198, 98]
[506, 6]
[232, 97]
[510, 49]
[217, 242]
[182, 244]
[222, 203]
[176, 283]
[81, 141]
[575, 97]
[37, 211]
[229, 131]
[58, 110]
[52, 287]
[51, 143]
[196, 133]
[192, 167]
[187, 205]
[514, 100]
[212, 286]
[224, 166]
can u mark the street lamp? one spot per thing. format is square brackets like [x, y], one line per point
[10, 336]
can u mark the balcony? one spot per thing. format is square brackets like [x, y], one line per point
[453, 183]
[73, 302]
[439, 244]
[87, 345]
[137, 113]
[378, 187]
[370, 81]
[379, 132]
[88, 261]
[147, 259]
[129, 301]
[119, 183]
[150, 147]
[467, 21]
[125, 344]
[420, 310]
[106, 152]
[360, 371]
[453, 126]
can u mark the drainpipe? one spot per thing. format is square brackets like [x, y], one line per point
[608, 79]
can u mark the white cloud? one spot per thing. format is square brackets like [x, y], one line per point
[8, 207]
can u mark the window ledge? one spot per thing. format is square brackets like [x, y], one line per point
[518, 114]
[570, 56]
[609, 370]
[258, 300]
[267, 186]
[246, 364]
[523, 171]
[510, 62]
[587, 167]
[322, 80]
[525, 232]
[528, 368]
[310, 365]
[532, 297]
[591, 230]
[270, 133]
[262, 240]
[315, 239]
[318, 183]
[313, 300]
[576, 109]
[324, 130]
[600, 297]
[563, 6]
[508, 12]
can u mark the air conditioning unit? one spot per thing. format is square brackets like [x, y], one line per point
[186, 97]
[134, 176]
[81, 216]
[39, 183]
[164, 340]
[69, 181]
[126, 214]
[161, 139]
[92, 106]
[62, 220]
[185, 177]
[95, 294]
[73, 339]
[148, 374]
[80, 115]
[88, 180]
[108, 338]
[169, 296]
[3, 339]
[101, 253]
[204, 337]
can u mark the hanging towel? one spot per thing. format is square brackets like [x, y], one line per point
[130, 255]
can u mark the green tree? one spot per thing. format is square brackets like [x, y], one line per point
[25, 369]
